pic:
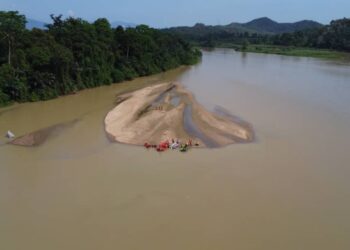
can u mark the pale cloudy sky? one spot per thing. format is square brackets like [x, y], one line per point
[163, 13]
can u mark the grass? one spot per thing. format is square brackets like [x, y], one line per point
[292, 51]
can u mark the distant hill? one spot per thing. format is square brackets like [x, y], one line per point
[266, 25]
[31, 23]
[262, 25]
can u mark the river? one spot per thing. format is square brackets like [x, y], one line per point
[289, 189]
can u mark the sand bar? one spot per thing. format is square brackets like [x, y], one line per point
[169, 111]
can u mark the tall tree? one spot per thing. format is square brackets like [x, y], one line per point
[11, 25]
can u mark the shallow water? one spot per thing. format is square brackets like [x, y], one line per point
[192, 129]
[288, 190]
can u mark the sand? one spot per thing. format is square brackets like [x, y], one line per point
[40, 136]
[158, 113]
[168, 111]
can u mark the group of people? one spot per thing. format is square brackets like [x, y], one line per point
[172, 144]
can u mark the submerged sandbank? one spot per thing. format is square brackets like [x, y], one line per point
[40, 136]
[169, 111]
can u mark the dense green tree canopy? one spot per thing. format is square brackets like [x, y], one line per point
[11, 27]
[73, 54]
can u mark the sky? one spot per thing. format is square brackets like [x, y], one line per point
[166, 13]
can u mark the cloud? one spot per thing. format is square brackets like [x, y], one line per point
[70, 13]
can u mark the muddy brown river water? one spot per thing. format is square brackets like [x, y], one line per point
[288, 190]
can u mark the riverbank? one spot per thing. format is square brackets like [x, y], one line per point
[289, 51]
[71, 64]
[168, 111]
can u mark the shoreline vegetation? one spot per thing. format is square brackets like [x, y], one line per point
[307, 38]
[290, 51]
[166, 112]
[72, 54]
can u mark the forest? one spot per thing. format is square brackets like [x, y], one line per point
[72, 54]
[335, 36]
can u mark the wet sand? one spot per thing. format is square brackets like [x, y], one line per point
[40, 136]
[168, 111]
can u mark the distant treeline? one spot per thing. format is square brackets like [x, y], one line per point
[334, 36]
[73, 54]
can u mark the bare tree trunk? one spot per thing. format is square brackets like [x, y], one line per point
[9, 56]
